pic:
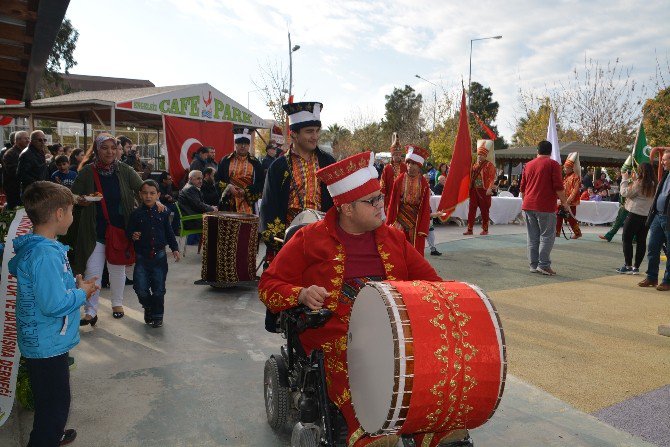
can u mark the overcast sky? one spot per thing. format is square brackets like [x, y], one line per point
[354, 52]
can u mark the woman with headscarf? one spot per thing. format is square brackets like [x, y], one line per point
[119, 184]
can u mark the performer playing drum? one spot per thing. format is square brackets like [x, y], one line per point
[240, 177]
[325, 265]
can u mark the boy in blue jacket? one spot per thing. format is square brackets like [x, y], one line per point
[150, 231]
[47, 309]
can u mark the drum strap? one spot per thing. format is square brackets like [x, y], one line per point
[352, 286]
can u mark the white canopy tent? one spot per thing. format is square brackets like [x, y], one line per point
[142, 107]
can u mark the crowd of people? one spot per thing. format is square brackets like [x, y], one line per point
[376, 223]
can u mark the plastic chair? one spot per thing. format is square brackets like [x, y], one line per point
[505, 194]
[184, 233]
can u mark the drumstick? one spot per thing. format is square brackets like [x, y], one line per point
[279, 240]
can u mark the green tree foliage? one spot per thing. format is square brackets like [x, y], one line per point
[61, 58]
[403, 115]
[482, 103]
[336, 134]
[657, 119]
[442, 140]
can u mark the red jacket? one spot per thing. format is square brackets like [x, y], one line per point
[387, 180]
[422, 220]
[315, 256]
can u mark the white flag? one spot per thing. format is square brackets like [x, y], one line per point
[552, 137]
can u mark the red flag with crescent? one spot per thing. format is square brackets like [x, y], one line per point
[184, 137]
[457, 186]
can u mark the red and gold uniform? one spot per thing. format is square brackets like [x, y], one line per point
[482, 176]
[572, 183]
[409, 207]
[316, 256]
[389, 175]
[392, 171]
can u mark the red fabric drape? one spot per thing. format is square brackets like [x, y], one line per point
[457, 186]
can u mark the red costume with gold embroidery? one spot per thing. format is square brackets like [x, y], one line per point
[481, 180]
[571, 185]
[409, 207]
[316, 256]
[389, 175]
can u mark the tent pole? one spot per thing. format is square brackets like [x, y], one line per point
[85, 133]
[31, 122]
[112, 119]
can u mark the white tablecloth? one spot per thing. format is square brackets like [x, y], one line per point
[597, 212]
[505, 209]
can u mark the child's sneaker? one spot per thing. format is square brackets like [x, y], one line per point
[634, 271]
[625, 270]
[157, 322]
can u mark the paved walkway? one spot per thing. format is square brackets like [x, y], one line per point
[198, 380]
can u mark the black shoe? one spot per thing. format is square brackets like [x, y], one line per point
[157, 322]
[104, 285]
[147, 316]
[434, 252]
[129, 282]
[68, 436]
[84, 322]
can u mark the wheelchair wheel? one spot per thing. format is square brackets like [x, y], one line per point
[276, 396]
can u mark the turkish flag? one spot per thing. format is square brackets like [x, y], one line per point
[184, 137]
[5, 119]
[457, 186]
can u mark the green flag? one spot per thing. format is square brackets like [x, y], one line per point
[641, 150]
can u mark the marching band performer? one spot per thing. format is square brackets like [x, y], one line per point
[240, 177]
[392, 170]
[482, 176]
[291, 185]
[326, 263]
[572, 182]
[409, 207]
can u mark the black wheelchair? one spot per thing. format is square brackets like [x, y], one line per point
[295, 386]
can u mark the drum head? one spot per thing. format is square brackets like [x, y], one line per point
[307, 216]
[370, 359]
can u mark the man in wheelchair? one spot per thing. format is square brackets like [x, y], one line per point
[322, 268]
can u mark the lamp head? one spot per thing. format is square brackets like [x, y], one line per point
[297, 47]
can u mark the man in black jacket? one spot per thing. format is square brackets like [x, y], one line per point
[291, 185]
[32, 161]
[191, 200]
[10, 162]
[657, 221]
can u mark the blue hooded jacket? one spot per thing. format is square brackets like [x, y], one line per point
[47, 301]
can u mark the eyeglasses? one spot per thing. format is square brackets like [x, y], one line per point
[373, 201]
[43, 140]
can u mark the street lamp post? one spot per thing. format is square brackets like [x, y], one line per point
[470, 72]
[434, 97]
[291, 50]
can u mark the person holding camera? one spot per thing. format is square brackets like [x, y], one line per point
[541, 185]
[571, 185]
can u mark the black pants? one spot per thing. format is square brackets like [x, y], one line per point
[634, 226]
[50, 382]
